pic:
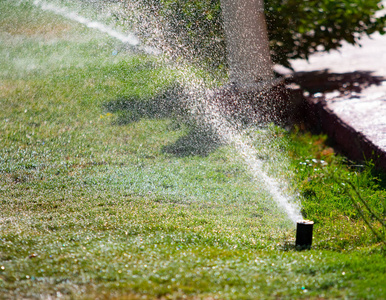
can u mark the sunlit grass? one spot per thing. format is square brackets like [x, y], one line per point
[96, 203]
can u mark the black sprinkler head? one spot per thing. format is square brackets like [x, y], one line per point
[304, 234]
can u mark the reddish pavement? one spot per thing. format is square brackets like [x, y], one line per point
[354, 114]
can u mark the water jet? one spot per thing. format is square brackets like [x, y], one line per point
[253, 96]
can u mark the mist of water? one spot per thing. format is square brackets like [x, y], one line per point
[205, 112]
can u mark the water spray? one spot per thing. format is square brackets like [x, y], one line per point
[252, 73]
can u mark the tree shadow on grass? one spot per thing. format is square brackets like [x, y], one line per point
[130, 109]
[196, 142]
[169, 103]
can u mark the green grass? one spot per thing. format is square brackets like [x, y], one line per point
[98, 201]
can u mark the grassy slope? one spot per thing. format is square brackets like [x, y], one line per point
[90, 207]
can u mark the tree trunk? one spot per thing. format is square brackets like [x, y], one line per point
[247, 43]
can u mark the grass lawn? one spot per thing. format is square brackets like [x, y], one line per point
[105, 195]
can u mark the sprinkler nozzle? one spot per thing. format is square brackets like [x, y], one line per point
[304, 234]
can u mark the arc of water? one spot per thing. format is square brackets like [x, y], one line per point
[249, 155]
[215, 119]
[129, 38]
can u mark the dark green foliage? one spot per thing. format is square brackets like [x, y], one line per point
[300, 28]
[296, 28]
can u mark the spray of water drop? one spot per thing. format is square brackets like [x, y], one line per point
[209, 114]
[199, 103]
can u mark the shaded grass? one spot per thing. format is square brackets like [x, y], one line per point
[93, 204]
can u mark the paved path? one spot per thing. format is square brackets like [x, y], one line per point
[361, 111]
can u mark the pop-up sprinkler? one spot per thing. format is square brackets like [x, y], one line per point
[304, 234]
